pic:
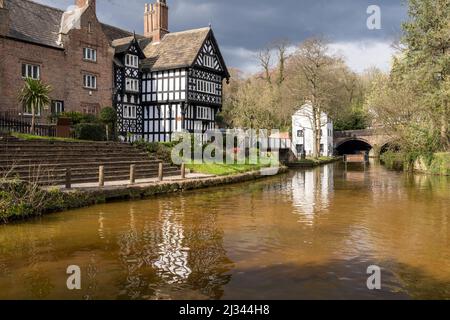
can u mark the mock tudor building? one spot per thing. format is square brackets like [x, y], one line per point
[159, 82]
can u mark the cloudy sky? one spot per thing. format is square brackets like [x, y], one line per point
[245, 26]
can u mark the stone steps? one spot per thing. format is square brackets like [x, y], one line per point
[47, 162]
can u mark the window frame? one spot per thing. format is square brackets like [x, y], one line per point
[129, 112]
[131, 61]
[28, 113]
[90, 54]
[131, 85]
[89, 86]
[53, 107]
[26, 67]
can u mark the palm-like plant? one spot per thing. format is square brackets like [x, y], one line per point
[34, 95]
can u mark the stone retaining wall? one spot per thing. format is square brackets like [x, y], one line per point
[142, 191]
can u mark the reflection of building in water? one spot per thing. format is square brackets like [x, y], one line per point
[174, 252]
[208, 257]
[311, 191]
[172, 263]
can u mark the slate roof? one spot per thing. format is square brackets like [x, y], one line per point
[33, 22]
[176, 50]
[122, 44]
[40, 24]
[114, 33]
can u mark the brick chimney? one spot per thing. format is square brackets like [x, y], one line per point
[4, 19]
[82, 3]
[156, 20]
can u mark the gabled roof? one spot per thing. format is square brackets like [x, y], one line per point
[40, 24]
[176, 50]
[114, 33]
[123, 44]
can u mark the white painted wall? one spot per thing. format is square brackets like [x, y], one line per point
[302, 121]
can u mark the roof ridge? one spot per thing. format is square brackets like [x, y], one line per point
[45, 5]
[190, 30]
[111, 26]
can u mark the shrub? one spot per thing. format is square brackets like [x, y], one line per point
[75, 117]
[20, 200]
[108, 116]
[78, 117]
[90, 131]
[161, 151]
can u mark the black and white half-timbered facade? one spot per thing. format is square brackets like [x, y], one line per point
[169, 86]
[127, 94]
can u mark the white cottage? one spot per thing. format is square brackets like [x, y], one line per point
[302, 133]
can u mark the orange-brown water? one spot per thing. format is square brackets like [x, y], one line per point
[305, 235]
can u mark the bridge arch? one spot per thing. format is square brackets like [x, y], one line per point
[354, 141]
[353, 146]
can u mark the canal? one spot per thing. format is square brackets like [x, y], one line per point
[303, 235]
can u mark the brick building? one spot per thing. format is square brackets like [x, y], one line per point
[159, 82]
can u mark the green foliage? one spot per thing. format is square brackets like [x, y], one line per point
[223, 169]
[354, 120]
[394, 160]
[436, 164]
[24, 136]
[158, 150]
[90, 131]
[78, 117]
[20, 200]
[426, 63]
[108, 116]
[34, 95]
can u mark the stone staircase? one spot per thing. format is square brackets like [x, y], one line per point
[46, 162]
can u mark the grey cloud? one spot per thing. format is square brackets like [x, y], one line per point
[251, 24]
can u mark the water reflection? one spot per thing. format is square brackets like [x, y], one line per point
[311, 192]
[307, 234]
[172, 263]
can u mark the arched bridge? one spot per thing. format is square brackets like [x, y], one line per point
[370, 140]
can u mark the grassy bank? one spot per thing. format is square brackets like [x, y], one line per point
[24, 136]
[21, 200]
[223, 169]
[163, 151]
[438, 164]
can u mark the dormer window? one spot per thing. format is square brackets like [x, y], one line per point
[90, 54]
[132, 61]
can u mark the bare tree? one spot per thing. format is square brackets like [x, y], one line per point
[281, 47]
[316, 78]
[265, 61]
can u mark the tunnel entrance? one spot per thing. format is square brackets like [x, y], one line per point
[353, 147]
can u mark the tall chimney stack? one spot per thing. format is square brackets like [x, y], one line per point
[156, 20]
[82, 3]
[4, 19]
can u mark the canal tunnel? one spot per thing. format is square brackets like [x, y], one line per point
[353, 147]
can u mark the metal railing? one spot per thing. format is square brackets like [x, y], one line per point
[9, 124]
